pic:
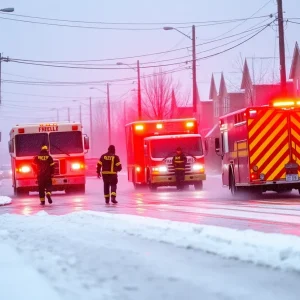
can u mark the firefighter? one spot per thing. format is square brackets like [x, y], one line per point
[109, 165]
[43, 166]
[179, 162]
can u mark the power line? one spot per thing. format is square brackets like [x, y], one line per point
[133, 23]
[83, 62]
[107, 68]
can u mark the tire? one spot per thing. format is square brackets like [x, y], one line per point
[76, 189]
[20, 192]
[198, 186]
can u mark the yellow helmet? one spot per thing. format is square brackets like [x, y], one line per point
[44, 147]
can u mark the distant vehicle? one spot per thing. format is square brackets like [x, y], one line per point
[5, 172]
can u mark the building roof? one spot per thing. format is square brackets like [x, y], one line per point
[295, 61]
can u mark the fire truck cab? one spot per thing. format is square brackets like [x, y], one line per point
[151, 146]
[67, 145]
[260, 147]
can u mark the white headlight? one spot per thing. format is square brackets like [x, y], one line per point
[198, 167]
[162, 169]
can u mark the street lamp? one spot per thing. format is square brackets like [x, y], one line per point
[138, 87]
[193, 38]
[108, 110]
[7, 10]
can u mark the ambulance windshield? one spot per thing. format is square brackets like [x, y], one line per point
[161, 148]
[65, 142]
[30, 144]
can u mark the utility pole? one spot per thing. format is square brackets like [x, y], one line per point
[194, 68]
[0, 79]
[281, 48]
[69, 116]
[80, 114]
[139, 92]
[91, 127]
[108, 115]
[57, 115]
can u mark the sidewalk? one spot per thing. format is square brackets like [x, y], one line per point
[20, 281]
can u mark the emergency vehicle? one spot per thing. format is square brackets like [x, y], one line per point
[260, 147]
[67, 145]
[151, 146]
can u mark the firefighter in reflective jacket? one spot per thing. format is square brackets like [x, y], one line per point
[43, 166]
[109, 165]
[179, 162]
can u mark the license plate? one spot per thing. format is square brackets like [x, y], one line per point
[292, 177]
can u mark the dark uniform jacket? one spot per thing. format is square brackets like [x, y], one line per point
[179, 161]
[43, 165]
[109, 164]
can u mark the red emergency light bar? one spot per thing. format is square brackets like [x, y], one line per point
[286, 102]
[21, 130]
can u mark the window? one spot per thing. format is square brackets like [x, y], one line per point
[239, 118]
[30, 144]
[66, 142]
[163, 148]
[225, 144]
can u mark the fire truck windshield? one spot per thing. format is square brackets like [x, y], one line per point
[162, 148]
[65, 142]
[30, 144]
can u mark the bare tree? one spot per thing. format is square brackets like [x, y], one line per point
[158, 92]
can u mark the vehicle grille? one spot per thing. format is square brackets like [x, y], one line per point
[188, 168]
[56, 167]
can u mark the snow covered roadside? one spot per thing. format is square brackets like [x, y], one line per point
[273, 250]
[5, 200]
[19, 280]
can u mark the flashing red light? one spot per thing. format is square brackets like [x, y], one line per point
[24, 169]
[74, 127]
[21, 130]
[159, 126]
[77, 166]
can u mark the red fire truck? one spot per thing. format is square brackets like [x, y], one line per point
[67, 146]
[151, 146]
[260, 147]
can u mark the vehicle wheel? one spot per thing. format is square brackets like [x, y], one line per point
[199, 186]
[20, 192]
[80, 188]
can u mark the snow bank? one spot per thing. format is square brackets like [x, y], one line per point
[274, 250]
[19, 281]
[5, 200]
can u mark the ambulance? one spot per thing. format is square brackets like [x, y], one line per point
[67, 145]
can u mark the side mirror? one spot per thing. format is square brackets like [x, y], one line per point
[217, 145]
[86, 142]
[10, 147]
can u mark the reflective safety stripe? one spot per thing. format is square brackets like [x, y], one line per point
[117, 164]
[179, 161]
[48, 193]
[179, 168]
[113, 194]
[108, 172]
[99, 162]
[52, 164]
[42, 199]
[106, 196]
[112, 164]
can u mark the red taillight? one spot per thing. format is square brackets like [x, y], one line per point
[74, 127]
[21, 130]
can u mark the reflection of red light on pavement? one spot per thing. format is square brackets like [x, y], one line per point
[27, 210]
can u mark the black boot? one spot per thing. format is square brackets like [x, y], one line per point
[107, 200]
[42, 201]
[49, 198]
[113, 200]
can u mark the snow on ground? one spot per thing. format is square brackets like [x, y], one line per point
[19, 280]
[5, 200]
[92, 255]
